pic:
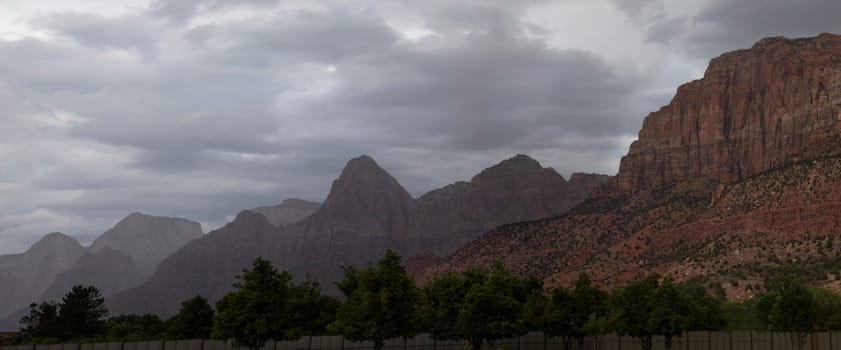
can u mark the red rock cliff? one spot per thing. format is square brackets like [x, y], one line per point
[753, 110]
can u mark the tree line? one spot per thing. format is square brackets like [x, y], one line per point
[381, 302]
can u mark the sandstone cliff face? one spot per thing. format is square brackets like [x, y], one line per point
[24, 277]
[288, 212]
[736, 181]
[148, 239]
[753, 110]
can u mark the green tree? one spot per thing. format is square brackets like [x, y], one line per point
[258, 309]
[827, 309]
[572, 313]
[311, 311]
[632, 306]
[648, 307]
[792, 308]
[82, 314]
[380, 302]
[670, 311]
[135, 328]
[193, 321]
[493, 309]
[706, 312]
[443, 299]
[789, 307]
[41, 321]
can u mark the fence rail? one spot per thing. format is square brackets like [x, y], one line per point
[743, 340]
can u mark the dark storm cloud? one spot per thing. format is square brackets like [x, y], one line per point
[723, 26]
[308, 36]
[158, 112]
[487, 94]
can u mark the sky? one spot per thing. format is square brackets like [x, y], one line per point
[202, 108]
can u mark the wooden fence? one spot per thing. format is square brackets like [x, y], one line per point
[744, 340]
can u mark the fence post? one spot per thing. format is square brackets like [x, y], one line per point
[830, 338]
[709, 341]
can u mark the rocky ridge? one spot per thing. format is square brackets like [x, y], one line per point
[148, 239]
[736, 182]
[366, 212]
[288, 212]
[754, 110]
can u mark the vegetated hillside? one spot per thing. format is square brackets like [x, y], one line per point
[736, 181]
[366, 213]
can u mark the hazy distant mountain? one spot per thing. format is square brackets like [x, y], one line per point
[288, 212]
[24, 277]
[120, 258]
[205, 266]
[148, 239]
[366, 212]
[109, 270]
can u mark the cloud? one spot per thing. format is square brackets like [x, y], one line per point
[722, 25]
[130, 32]
[201, 108]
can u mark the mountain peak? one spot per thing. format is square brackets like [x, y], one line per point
[362, 174]
[517, 164]
[148, 239]
[55, 239]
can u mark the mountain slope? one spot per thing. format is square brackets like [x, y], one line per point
[366, 212]
[205, 266]
[736, 181]
[23, 277]
[148, 239]
[288, 212]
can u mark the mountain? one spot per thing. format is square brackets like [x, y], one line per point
[205, 266]
[754, 110]
[25, 276]
[366, 212]
[148, 239]
[109, 270]
[288, 212]
[516, 189]
[122, 257]
[735, 182]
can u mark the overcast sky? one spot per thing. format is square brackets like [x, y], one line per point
[201, 108]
